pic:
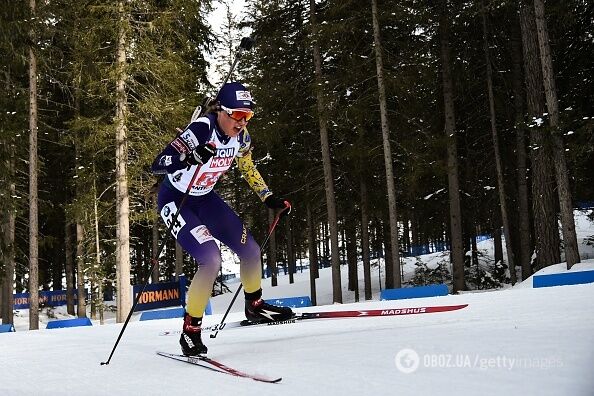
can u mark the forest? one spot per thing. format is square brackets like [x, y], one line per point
[393, 127]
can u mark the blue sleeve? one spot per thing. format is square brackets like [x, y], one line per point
[168, 161]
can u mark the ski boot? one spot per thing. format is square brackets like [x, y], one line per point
[258, 311]
[190, 340]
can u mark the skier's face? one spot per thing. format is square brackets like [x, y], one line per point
[229, 123]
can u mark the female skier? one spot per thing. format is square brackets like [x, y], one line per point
[211, 143]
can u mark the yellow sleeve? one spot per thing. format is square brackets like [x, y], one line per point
[248, 169]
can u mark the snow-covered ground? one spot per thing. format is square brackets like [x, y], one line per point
[511, 342]
[515, 341]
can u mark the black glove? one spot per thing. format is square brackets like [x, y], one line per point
[277, 203]
[200, 155]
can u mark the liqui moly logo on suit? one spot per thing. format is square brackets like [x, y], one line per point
[221, 162]
[223, 159]
[226, 152]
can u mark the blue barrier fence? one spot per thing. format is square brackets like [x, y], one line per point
[481, 238]
[566, 278]
[171, 313]
[419, 250]
[60, 324]
[163, 314]
[414, 292]
[7, 328]
[433, 247]
[292, 302]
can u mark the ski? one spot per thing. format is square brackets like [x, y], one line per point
[217, 366]
[379, 312]
[329, 315]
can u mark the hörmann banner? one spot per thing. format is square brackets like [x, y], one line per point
[161, 295]
[51, 298]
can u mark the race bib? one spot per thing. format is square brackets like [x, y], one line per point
[207, 180]
[167, 213]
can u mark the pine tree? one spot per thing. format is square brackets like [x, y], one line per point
[393, 268]
[33, 174]
[325, 148]
[572, 256]
[13, 121]
[545, 224]
[498, 162]
[457, 252]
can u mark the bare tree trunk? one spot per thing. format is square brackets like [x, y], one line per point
[137, 260]
[499, 166]
[81, 306]
[572, 255]
[328, 179]
[365, 240]
[342, 243]
[97, 301]
[155, 243]
[6, 286]
[8, 233]
[351, 247]
[457, 249]
[93, 291]
[405, 234]
[325, 244]
[272, 252]
[395, 280]
[122, 199]
[290, 250]
[379, 249]
[313, 240]
[414, 230]
[497, 246]
[546, 234]
[313, 251]
[523, 208]
[351, 253]
[81, 309]
[387, 254]
[69, 268]
[474, 249]
[33, 200]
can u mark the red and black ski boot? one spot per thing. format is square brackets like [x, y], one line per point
[259, 311]
[190, 340]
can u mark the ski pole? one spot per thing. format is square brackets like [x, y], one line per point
[245, 45]
[154, 262]
[263, 247]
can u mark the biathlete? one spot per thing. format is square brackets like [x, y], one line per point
[212, 143]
